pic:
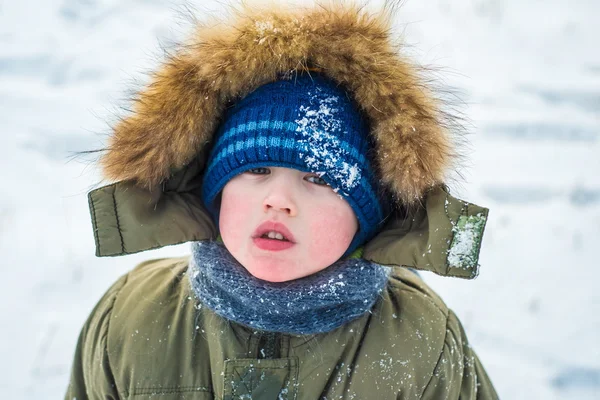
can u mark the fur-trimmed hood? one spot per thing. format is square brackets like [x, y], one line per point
[157, 153]
[176, 115]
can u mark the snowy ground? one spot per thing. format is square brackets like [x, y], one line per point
[529, 71]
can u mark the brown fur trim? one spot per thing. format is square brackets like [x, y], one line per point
[178, 112]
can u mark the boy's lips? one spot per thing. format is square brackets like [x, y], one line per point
[272, 226]
[266, 243]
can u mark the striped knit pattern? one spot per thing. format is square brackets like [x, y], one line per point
[306, 123]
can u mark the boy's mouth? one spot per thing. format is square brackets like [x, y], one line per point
[273, 231]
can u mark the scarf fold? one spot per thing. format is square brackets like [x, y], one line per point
[314, 304]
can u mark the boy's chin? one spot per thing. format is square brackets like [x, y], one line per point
[275, 272]
[274, 275]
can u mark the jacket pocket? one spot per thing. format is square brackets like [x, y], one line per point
[264, 379]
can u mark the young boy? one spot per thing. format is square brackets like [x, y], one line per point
[302, 156]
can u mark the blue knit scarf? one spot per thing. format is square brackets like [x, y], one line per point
[315, 304]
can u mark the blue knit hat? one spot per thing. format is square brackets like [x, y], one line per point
[307, 123]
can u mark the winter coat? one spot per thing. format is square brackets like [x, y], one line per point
[148, 337]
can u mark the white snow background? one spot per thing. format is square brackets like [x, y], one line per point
[529, 72]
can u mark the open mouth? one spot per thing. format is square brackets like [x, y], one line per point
[274, 231]
[274, 235]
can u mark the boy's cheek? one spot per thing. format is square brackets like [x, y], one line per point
[332, 232]
[233, 219]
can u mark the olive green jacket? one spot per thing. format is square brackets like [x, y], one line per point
[148, 337]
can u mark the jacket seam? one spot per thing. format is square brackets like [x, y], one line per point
[439, 358]
[108, 316]
[168, 389]
[446, 264]
[160, 246]
[118, 223]
[94, 222]
[361, 343]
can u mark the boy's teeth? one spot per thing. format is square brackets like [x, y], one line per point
[275, 235]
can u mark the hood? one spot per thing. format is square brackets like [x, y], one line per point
[158, 152]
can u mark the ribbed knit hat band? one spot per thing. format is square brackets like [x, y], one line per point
[306, 123]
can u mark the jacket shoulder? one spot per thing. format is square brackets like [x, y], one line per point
[149, 270]
[405, 284]
[454, 370]
[153, 289]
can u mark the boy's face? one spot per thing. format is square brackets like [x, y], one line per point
[316, 223]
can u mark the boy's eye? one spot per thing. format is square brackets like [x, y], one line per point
[259, 171]
[317, 180]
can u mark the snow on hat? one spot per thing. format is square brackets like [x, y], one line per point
[307, 123]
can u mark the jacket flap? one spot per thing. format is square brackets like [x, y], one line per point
[443, 237]
[128, 219]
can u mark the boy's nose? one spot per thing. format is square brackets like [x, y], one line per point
[280, 200]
